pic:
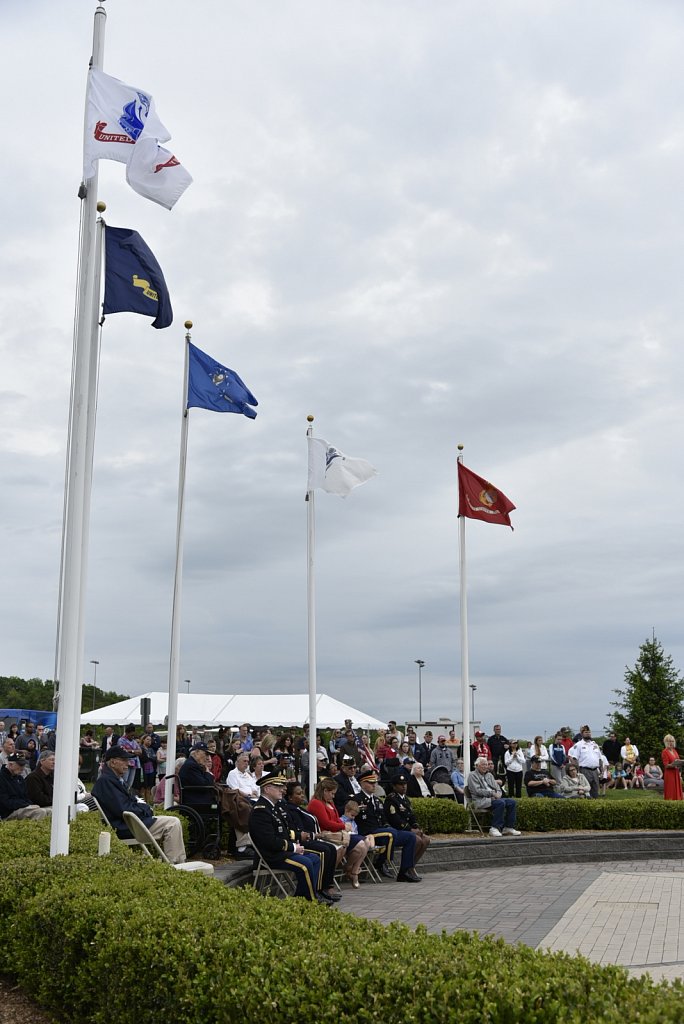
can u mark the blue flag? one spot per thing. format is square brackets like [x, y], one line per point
[134, 282]
[215, 387]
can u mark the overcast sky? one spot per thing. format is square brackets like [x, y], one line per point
[424, 223]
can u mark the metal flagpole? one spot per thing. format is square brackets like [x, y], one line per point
[174, 660]
[465, 681]
[311, 619]
[77, 502]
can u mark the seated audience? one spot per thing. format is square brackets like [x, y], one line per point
[653, 775]
[39, 783]
[418, 786]
[197, 784]
[487, 795]
[399, 814]
[14, 800]
[112, 795]
[458, 780]
[307, 832]
[241, 778]
[371, 821]
[574, 785]
[269, 830]
[347, 784]
[538, 782]
[322, 806]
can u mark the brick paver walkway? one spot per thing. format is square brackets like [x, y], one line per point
[620, 913]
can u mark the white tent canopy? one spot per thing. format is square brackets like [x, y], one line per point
[232, 709]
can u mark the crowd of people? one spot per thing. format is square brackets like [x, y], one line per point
[361, 810]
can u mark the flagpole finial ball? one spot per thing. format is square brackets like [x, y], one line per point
[309, 418]
[460, 447]
[101, 207]
[188, 325]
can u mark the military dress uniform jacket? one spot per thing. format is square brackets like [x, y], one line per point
[371, 817]
[399, 812]
[270, 831]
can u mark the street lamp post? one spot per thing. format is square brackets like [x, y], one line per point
[473, 688]
[188, 682]
[95, 663]
[421, 666]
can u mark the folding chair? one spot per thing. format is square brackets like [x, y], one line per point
[265, 878]
[444, 790]
[473, 814]
[107, 822]
[151, 847]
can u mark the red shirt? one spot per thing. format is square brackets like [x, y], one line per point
[326, 815]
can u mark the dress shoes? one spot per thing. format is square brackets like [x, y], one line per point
[406, 876]
[385, 870]
[334, 896]
[324, 899]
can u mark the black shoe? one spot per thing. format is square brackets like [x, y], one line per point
[334, 896]
[322, 897]
[246, 854]
[409, 878]
[413, 874]
[386, 870]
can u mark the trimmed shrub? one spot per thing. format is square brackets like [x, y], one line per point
[544, 815]
[440, 815]
[122, 934]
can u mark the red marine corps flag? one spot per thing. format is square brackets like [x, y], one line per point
[478, 499]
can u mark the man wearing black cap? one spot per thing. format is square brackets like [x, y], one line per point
[538, 782]
[371, 821]
[196, 779]
[114, 798]
[274, 841]
[14, 800]
[348, 787]
[399, 813]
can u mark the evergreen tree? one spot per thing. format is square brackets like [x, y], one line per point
[652, 702]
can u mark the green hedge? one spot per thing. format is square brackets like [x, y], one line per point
[440, 815]
[119, 936]
[544, 815]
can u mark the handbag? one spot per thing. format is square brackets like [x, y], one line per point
[338, 838]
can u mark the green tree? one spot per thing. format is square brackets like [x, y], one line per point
[652, 702]
[36, 694]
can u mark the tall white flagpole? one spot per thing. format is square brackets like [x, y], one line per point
[311, 620]
[77, 501]
[465, 680]
[174, 660]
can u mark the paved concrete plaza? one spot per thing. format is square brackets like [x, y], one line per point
[625, 913]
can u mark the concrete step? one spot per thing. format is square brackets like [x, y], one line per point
[550, 848]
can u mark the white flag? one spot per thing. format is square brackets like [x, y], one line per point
[117, 115]
[333, 471]
[155, 173]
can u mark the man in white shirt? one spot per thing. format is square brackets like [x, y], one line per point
[241, 778]
[245, 781]
[587, 755]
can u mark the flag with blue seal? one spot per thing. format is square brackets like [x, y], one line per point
[215, 387]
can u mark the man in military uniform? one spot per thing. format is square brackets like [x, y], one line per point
[371, 821]
[271, 836]
[399, 813]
